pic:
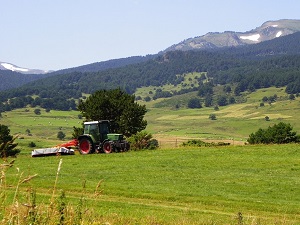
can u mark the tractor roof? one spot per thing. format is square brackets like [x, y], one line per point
[96, 122]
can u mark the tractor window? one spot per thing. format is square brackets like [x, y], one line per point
[104, 128]
[91, 129]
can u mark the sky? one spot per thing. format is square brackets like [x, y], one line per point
[60, 34]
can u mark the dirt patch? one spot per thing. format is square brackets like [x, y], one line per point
[167, 141]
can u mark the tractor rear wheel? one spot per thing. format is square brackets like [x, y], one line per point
[85, 146]
[107, 147]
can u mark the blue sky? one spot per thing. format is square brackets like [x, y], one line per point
[58, 34]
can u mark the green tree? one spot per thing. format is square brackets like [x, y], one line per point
[7, 145]
[280, 133]
[126, 116]
[194, 103]
[208, 100]
[222, 100]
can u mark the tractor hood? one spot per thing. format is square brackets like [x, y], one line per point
[115, 137]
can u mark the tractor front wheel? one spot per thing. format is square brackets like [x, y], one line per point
[85, 146]
[107, 147]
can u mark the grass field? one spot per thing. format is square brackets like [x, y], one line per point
[238, 184]
[223, 185]
[171, 127]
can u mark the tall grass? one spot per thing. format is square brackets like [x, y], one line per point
[213, 185]
[20, 207]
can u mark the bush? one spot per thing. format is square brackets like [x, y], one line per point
[199, 143]
[61, 135]
[77, 131]
[153, 144]
[37, 111]
[212, 116]
[32, 144]
[147, 99]
[278, 134]
[142, 140]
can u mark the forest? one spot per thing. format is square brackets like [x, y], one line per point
[247, 68]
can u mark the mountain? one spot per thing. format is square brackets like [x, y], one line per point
[248, 67]
[14, 68]
[133, 72]
[267, 31]
[12, 76]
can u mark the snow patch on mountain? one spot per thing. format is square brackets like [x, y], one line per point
[13, 67]
[279, 34]
[253, 37]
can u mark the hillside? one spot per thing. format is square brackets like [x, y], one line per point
[270, 63]
[268, 31]
[12, 76]
[10, 79]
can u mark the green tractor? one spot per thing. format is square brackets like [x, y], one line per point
[96, 138]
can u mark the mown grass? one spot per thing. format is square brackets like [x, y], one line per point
[177, 186]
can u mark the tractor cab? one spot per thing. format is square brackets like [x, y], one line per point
[97, 130]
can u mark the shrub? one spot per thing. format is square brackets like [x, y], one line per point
[37, 111]
[147, 99]
[142, 140]
[32, 144]
[77, 131]
[199, 143]
[61, 135]
[212, 116]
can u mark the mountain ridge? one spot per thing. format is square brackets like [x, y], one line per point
[244, 68]
[212, 40]
[279, 45]
[267, 31]
[14, 68]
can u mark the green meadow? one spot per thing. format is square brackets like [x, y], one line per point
[236, 184]
[212, 185]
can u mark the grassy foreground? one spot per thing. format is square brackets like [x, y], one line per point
[217, 185]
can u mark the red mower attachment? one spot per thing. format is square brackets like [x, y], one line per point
[73, 143]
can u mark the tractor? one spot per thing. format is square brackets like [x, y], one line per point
[96, 138]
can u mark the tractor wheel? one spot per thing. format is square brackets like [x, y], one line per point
[107, 147]
[85, 146]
